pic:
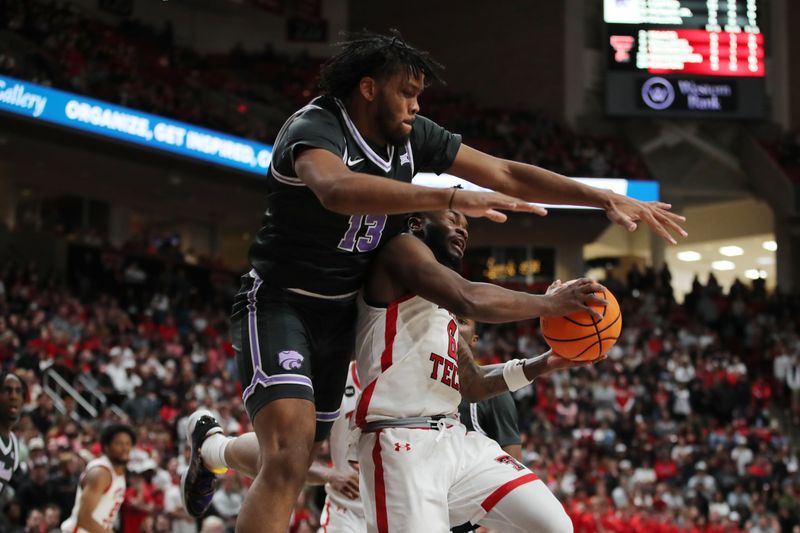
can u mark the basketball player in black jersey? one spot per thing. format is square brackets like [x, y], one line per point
[12, 394]
[338, 185]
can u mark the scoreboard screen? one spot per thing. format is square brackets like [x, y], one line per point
[685, 58]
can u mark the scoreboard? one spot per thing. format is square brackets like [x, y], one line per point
[694, 58]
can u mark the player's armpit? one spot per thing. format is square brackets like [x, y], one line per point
[95, 484]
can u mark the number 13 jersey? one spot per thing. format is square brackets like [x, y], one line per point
[304, 246]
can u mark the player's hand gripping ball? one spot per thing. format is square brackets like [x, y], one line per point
[580, 336]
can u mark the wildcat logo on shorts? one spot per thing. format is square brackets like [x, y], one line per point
[290, 360]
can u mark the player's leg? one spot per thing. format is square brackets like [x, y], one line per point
[274, 352]
[528, 507]
[285, 430]
[404, 476]
[496, 491]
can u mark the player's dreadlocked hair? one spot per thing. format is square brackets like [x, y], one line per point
[374, 55]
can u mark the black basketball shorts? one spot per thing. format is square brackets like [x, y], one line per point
[292, 346]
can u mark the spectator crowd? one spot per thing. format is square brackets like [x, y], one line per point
[685, 427]
[250, 94]
[689, 426]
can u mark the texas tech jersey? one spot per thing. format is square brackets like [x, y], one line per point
[407, 360]
[304, 246]
[9, 458]
[110, 502]
[340, 436]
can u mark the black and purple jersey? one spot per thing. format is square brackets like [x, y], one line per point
[9, 458]
[304, 246]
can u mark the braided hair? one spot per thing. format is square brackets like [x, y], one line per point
[377, 56]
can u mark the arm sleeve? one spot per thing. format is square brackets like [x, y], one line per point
[499, 419]
[434, 148]
[313, 127]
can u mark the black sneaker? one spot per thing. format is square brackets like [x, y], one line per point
[198, 483]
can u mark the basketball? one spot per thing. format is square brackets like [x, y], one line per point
[580, 337]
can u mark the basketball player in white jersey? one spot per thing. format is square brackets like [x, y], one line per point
[343, 511]
[12, 393]
[214, 453]
[420, 469]
[101, 490]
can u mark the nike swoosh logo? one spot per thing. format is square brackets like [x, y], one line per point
[351, 161]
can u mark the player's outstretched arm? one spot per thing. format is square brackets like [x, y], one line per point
[536, 184]
[352, 193]
[481, 382]
[96, 482]
[410, 262]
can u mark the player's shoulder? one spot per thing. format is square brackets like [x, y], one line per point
[322, 108]
[404, 247]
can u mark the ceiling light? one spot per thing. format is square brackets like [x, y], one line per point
[769, 245]
[765, 261]
[689, 256]
[755, 274]
[723, 265]
[731, 251]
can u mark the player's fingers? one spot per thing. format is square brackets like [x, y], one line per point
[594, 314]
[593, 298]
[495, 216]
[525, 207]
[672, 224]
[659, 229]
[618, 217]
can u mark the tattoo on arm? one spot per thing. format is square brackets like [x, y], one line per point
[477, 382]
[483, 382]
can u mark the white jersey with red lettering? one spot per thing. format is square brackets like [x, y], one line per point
[426, 474]
[107, 508]
[338, 442]
[407, 359]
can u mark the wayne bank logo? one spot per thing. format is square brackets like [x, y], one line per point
[18, 96]
[658, 93]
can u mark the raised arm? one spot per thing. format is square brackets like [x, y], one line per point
[536, 184]
[352, 193]
[409, 262]
[96, 482]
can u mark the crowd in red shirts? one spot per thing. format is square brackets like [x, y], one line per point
[685, 427]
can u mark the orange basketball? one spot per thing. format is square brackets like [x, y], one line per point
[579, 337]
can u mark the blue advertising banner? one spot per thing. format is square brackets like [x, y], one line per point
[117, 122]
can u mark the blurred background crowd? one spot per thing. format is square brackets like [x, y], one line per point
[691, 425]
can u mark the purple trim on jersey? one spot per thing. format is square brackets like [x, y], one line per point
[383, 164]
[327, 416]
[252, 327]
[259, 376]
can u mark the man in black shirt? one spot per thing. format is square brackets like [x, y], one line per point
[338, 184]
[12, 392]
